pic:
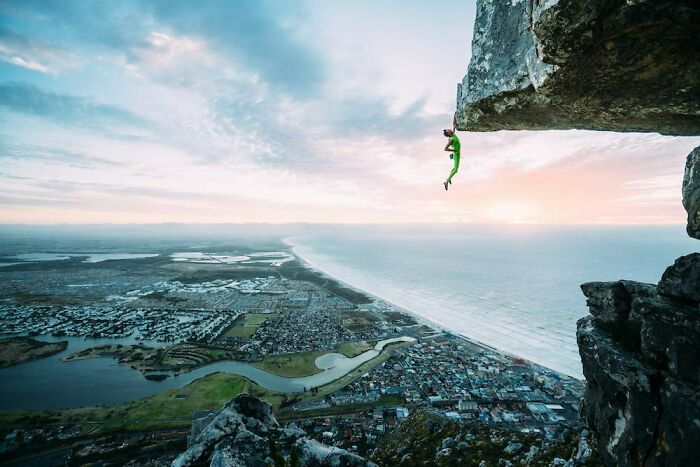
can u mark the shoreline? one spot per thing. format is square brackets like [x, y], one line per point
[421, 319]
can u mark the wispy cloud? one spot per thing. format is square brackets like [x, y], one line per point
[35, 54]
[155, 110]
[67, 109]
[31, 152]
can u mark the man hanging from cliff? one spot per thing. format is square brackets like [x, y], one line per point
[454, 149]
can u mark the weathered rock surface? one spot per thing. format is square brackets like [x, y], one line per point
[641, 361]
[682, 279]
[245, 433]
[691, 192]
[593, 64]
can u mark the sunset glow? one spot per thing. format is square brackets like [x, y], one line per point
[136, 112]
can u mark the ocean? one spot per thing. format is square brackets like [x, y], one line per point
[513, 287]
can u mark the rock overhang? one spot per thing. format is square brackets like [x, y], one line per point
[588, 64]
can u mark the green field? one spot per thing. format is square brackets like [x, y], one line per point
[303, 363]
[171, 408]
[292, 364]
[246, 325]
[352, 349]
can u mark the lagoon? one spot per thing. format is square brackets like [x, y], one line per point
[51, 384]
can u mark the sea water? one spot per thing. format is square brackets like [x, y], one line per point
[513, 287]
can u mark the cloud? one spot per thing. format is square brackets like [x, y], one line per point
[370, 116]
[50, 155]
[68, 110]
[252, 32]
[34, 54]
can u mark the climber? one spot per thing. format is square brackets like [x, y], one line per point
[454, 142]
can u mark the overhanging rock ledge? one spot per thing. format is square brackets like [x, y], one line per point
[622, 65]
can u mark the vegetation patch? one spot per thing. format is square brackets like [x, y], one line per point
[177, 358]
[299, 364]
[170, 408]
[355, 320]
[291, 364]
[246, 325]
[18, 350]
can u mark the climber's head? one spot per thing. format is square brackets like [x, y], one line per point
[447, 133]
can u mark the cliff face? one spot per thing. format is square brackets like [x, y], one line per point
[640, 357]
[624, 65]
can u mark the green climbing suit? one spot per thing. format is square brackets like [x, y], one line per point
[454, 142]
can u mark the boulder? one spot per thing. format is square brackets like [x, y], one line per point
[669, 334]
[590, 64]
[610, 302]
[682, 279]
[243, 432]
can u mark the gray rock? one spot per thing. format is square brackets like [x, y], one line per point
[682, 279]
[531, 453]
[679, 424]
[643, 404]
[445, 452]
[512, 448]
[311, 450]
[621, 400]
[240, 435]
[592, 64]
[611, 302]
[691, 192]
[226, 458]
[447, 442]
[665, 327]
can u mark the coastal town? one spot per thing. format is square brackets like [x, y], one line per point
[284, 319]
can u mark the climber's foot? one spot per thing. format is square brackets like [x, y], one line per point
[445, 185]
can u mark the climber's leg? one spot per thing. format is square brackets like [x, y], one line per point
[455, 158]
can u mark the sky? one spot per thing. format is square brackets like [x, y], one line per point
[149, 111]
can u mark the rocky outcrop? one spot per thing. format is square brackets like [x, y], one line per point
[640, 356]
[245, 433]
[691, 192]
[623, 65]
[682, 280]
